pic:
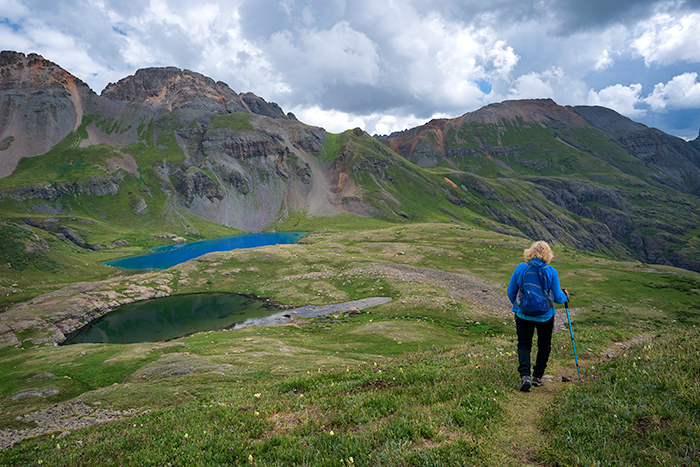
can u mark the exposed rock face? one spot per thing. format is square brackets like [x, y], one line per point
[196, 182]
[40, 103]
[245, 177]
[543, 111]
[238, 145]
[98, 186]
[172, 88]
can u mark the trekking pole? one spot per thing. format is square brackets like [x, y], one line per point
[571, 330]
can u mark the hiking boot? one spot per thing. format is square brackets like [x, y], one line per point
[525, 384]
[537, 382]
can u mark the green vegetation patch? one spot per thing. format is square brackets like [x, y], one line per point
[17, 249]
[333, 144]
[5, 142]
[430, 408]
[639, 409]
[428, 378]
[234, 121]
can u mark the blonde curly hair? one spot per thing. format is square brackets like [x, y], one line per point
[539, 250]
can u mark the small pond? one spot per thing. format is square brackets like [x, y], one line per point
[167, 256]
[172, 317]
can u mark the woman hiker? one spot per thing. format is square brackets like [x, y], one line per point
[533, 290]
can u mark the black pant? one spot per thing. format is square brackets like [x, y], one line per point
[525, 329]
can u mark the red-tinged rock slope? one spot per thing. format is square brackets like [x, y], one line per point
[40, 104]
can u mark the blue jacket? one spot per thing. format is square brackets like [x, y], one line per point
[553, 279]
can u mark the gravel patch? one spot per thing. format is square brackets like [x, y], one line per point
[64, 417]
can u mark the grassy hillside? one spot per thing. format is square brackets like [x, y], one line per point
[426, 379]
[569, 182]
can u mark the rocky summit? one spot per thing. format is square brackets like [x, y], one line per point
[173, 149]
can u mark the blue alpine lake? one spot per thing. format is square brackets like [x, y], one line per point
[167, 256]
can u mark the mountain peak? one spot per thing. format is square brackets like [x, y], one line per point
[172, 88]
[543, 111]
[20, 71]
[41, 104]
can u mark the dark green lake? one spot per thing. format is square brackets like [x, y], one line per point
[172, 317]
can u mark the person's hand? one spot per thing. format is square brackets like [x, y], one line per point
[566, 292]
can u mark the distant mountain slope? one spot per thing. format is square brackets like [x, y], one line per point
[169, 149]
[165, 144]
[585, 176]
[676, 162]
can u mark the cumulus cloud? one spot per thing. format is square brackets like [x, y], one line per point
[621, 98]
[682, 92]
[531, 85]
[665, 39]
[604, 61]
[381, 65]
[552, 83]
[336, 121]
[318, 57]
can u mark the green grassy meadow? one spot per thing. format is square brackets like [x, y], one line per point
[426, 379]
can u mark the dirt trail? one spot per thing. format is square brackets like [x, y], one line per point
[520, 437]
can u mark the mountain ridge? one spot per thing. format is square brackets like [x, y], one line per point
[587, 162]
[165, 144]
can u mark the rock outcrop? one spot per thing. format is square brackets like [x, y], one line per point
[40, 104]
[171, 88]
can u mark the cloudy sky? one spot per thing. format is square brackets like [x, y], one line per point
[388, 65]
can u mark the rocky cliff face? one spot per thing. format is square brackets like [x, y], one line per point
[171, 88]
[40, 104]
